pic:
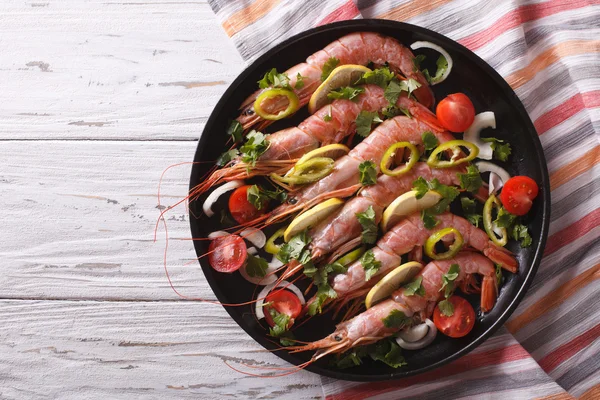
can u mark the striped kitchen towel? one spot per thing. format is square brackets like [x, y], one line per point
[549, 52]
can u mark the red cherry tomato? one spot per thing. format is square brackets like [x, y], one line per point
[227, 253]
[518, 193]
[284, 302]
[456, 112]
[241, 209]
[458, 324]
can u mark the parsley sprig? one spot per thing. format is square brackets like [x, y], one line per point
[364, 122]
[471, 180]
[446, 308]
[370, 264]
[367, 221]
[368, 173]
[258, 196]
[256, 144]
[272, 78]
[449, 193]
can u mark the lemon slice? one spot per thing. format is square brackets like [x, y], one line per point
[352, 256]
[407, 204]
[311, 217]
[344, 75]
[392, 281]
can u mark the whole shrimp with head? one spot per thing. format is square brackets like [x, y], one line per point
[359, 48]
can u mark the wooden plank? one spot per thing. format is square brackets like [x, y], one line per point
[116, 350]
[111, 70]
[78, 221]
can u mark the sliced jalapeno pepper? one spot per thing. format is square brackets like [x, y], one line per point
[292, 107]
[390, 154]
[354, 255]
[270, 246]
[454, 145]
[488, 207]
[439, 235]
[307, 172]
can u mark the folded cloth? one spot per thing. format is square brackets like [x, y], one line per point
[549, 52]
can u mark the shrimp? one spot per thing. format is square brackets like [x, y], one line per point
[344, 180]
[287, 145]
[368, 327]
[354, 48]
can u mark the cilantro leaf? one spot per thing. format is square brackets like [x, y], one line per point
[367, 221]
[370, 264]
[388, 352]
[258, 196]
[448, 279]
[327, 118]
[471, 181]
[329, 66]
[499, 276]
[429, 140]
[415, 287]
[324, 293]
[474, 219]
[470, 210]
[226, 157]
[256, 144]
[352, 358]
[420, 186]
[395, 319]
[501, 150]
[520, 232]
[281, 323]
[380, 77]
[293, 249]
[446, 308]
[235, 130]
[392, 91]
[287, 339]
[504, 218]
[274, 79]
[368, 173]
[429, 220]
[256, 266]
[392, 111]
[347, 92]
[299, 81]
[417, 62]
[449, 193]
[364, 121]
[442, 66]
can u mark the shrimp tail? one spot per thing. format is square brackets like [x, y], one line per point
[502, 257]
[489, 293]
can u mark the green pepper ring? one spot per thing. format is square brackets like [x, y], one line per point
[292, 107]
[390, 152]
[487, 222]
[324, 166]
[434, 162]
[436, 237]
[270, 246]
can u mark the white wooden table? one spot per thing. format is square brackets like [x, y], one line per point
[97, 97]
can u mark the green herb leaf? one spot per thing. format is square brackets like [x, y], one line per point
[256, 267]
[475, 219]
[380, 77]
[470, 210]
[364, 121]
[501, 150]
[415, 287]
[368, 173]
[442, 66]
[420, 186]
[299, 81]
[370, 264]
[446, 308]
[348, 93]
[351, 358]
[498, 275]
[429, 220]
[396, 319]
[367, 221]
[388, 352]
[226, 157]
[259, 197]
[324, 293]
[274, 79]
[392, 91]
[471, 181]
[327, 118]
[392, 111]
[281, 323]
[417, 62]
[235, 130]
[448, 279]
[328, 67]
[520, 232]
[287, 339]
[256, 144]
[429, 140]
[293, 249]
[449, 193]
[504, 218]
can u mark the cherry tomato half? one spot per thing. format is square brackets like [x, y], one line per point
[458, 324]
[518, 193]
[456, 112]
[227, 253]
[241, 209]
[284, 302]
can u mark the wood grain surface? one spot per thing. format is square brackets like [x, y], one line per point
[97, 98]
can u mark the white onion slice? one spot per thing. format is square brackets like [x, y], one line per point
[415, 333]
[251, 250]
[263, 293]
[424, 342]
[214, 196]
[216, 234]
[254, 236]
[482, 120]
[498, 175]
[433, 46]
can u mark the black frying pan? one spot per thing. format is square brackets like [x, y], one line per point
[488, 91]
